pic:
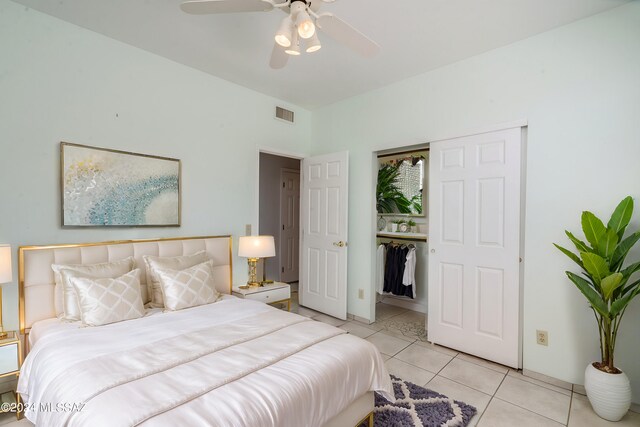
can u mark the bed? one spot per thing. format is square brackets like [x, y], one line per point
[231, 363]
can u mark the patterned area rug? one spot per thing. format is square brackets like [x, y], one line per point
[417, 406]
[415, 330]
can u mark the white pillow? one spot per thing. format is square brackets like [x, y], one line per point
[190, 287]
[66, 300]
[104, 301]
[154, 263]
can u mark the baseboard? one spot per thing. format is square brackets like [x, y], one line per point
[547, 379]
[359, 319]
[406, 304]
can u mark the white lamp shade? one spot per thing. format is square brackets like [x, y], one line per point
[6, 275]
[256, 247]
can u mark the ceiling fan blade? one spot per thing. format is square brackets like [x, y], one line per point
[204, 7]
[279, 57]
[344, 33]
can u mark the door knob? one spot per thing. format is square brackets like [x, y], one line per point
[340, 244]
[433, 251]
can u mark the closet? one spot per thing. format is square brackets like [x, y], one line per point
[402, 241]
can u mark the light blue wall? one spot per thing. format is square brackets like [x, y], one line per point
[59, 82]
[579, 88]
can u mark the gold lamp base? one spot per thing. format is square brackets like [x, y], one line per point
[253, 274]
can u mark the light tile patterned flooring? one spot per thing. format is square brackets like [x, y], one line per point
[503, 396]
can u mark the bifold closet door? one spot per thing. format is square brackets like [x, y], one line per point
[474, 256]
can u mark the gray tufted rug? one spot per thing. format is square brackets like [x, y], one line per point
[417, 406]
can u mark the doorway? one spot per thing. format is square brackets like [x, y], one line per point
[401, 241]
[303, 204]
[279, 215]
[473, 259]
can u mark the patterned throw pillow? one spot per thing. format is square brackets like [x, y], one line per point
[190, 287]
[154, 263]
[66, 300]
[104, 301]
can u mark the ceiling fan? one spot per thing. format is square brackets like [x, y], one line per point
[297, 30]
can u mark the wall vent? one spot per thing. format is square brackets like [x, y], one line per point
[284, 114]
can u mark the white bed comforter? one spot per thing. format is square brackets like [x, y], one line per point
[232, 363]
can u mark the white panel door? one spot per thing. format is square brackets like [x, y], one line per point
[474, 227]
[288, 243]
[323, 221]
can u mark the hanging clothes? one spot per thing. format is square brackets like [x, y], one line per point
[396, 259]
[380, 264]
[409, 276]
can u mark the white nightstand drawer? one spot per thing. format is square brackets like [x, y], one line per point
[271, 295]
[9, 358]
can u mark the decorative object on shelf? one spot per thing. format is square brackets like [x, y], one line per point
[254, 248]
[112, 188]
[382, 224]
[401, 182]
[607, 286]
[404, 227]
[389, 197]
[6, 276]
[412, 224]
[395, 225]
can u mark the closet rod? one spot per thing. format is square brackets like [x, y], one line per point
[410, 239]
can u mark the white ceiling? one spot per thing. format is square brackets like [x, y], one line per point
[415, 35]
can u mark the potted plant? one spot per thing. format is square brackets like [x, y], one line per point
[411, 223]
[395, 224]
[607, 285]
[389, 198]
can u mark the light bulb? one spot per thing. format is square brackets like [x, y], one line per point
[313, 44]
[304, 23]
[306, 27]
[284, 34]
[294, 49]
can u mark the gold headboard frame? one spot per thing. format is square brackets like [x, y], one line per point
[23, 249]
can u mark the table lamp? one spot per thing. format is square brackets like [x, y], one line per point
[6, 276]
[254, 248]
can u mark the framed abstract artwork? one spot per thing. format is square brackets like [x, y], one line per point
[111, 188]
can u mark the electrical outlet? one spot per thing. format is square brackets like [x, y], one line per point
[361, 293]
[542, 337]
[247, 230]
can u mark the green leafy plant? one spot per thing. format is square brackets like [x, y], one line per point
[398, 221]
[606, 283]
[389, 198]
[416, 203]
[411, 223]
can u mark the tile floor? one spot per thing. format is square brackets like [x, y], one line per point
[503, 396]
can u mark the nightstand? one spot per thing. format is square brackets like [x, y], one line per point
[273, 293]
[10, 358]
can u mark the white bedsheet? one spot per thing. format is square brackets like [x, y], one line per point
[232, 363]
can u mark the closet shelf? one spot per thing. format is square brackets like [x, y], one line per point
[420, 237]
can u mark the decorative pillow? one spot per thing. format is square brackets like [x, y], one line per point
[190, 287]
[154, 263]
[104, 301]
[66, 300]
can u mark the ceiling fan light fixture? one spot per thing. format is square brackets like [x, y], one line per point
[304, 23]
[306, 27]
[313, 44]
[284, 35]
[294, 49]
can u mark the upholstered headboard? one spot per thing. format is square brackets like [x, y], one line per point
[36, 282]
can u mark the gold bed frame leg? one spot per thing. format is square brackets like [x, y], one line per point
[368, 419]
